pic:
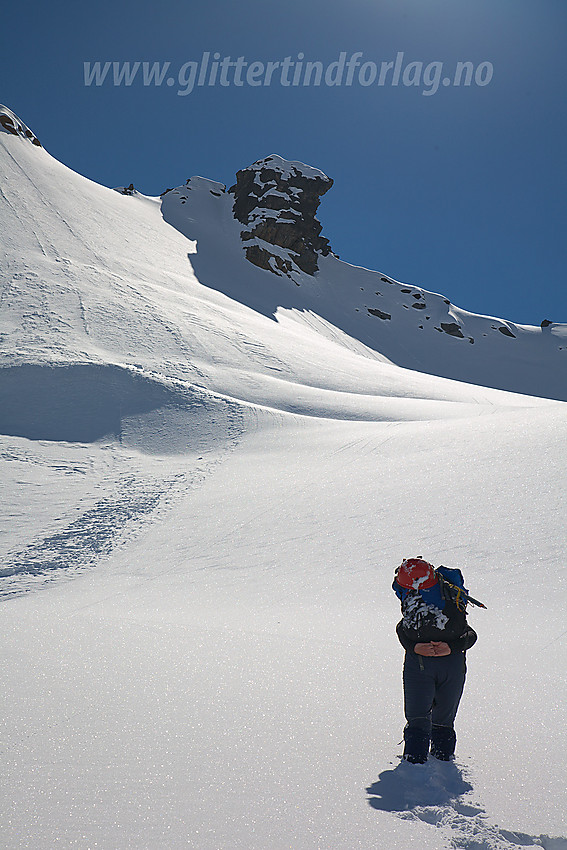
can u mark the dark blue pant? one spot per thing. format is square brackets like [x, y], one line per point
[433, 687]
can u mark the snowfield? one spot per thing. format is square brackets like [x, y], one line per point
[208, 475]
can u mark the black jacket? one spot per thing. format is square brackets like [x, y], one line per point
[457, 644]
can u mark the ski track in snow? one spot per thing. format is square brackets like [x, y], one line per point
[112, 521]
[94, 534]
[131, 501]
[438, 793]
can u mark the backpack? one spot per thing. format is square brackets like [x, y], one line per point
[438, 612]
[450, 586]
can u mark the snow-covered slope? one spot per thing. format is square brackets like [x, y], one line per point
[207, 475]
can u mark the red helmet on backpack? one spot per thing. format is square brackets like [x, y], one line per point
[416, 574]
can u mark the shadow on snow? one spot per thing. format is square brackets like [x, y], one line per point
[433, 793]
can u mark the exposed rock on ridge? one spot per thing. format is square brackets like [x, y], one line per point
[277, 200]
[10, 123]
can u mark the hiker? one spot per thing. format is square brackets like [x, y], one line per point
[435, 635]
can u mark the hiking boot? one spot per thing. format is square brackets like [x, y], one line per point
[443, 740]
[416, 745]
[415, 759]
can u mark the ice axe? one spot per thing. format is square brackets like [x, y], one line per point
[460, 590]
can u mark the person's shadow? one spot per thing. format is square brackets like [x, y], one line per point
[409, 786]
[432, 793]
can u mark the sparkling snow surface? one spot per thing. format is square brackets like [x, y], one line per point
[206, 485]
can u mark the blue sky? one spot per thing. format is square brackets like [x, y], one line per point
[461, 191]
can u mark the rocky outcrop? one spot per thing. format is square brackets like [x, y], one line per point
[453, 329]
[10, 123]
[126, 190]
[380, 313]
[276, 201]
